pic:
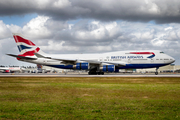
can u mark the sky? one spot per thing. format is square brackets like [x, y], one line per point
[90, 26]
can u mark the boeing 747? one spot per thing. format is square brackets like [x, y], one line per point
[94, 63]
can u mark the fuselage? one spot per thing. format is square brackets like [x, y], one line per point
[130, 59]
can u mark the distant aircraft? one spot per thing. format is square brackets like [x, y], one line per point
[10, 69]
[94, 63]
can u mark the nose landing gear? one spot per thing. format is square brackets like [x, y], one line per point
[156, 73]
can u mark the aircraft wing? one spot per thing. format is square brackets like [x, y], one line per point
[65, 61]
[73, 61]
[119, 64]
[22, 57]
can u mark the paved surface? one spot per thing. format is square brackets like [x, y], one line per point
[82, 75]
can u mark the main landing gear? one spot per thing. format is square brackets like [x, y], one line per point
[156, 73]
[96, 73]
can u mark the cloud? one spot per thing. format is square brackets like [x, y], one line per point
[161, 11]
[3, 30]
[87, 33]
[7, 30]
[96, 36]
[36, 28]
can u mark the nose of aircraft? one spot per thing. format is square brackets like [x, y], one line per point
[172, 60]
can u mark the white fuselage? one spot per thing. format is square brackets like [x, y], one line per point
[131, 59]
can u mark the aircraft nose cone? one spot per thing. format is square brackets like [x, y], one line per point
[173, 60]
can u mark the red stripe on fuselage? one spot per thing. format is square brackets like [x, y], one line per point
[142, 53]
[20, 39]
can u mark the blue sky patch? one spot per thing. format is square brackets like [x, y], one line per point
[19, 20]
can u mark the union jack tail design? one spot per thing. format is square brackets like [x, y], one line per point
[25, 46]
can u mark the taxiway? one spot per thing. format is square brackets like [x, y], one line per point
[82, 75]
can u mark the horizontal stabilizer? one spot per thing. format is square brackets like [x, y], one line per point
[22, 57]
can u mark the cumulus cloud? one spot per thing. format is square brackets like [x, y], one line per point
[161, 11]
[7, 30]
[94, 36]
[3, 30]
[36, 28]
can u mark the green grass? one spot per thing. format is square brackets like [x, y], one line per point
[90, 98]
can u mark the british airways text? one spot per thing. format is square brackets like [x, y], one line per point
[126, 57]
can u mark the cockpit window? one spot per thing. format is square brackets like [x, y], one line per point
[162, 52]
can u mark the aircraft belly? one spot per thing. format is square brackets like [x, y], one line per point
[62, 66]
[141, 66]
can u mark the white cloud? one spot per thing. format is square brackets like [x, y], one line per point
[147, 36]
[36, 28]
[59, 47]
[154, 9]
[42, 4]
[61, 4]
[157, 42]
[7, 30]
[4, 31]
[168, 28]
[14, 28]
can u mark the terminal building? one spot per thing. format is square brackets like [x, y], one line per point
[164, 69]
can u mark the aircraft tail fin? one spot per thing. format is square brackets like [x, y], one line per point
[25, 46]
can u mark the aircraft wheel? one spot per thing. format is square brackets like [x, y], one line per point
[92, 73]
[101, 73]
[156, 73]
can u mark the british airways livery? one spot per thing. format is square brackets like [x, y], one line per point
[94, 63]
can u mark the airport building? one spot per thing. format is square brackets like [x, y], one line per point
[164, 69]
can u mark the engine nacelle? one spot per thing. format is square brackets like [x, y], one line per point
[108, 68]
[81, 66]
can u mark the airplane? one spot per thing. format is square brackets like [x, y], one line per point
[95, 64]
[10, 69]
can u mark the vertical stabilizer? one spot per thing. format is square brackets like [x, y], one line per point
[25, 46]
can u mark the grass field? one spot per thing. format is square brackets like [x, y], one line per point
[90, 98]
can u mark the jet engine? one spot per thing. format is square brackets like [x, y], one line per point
[108, 68]
[81, 66]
